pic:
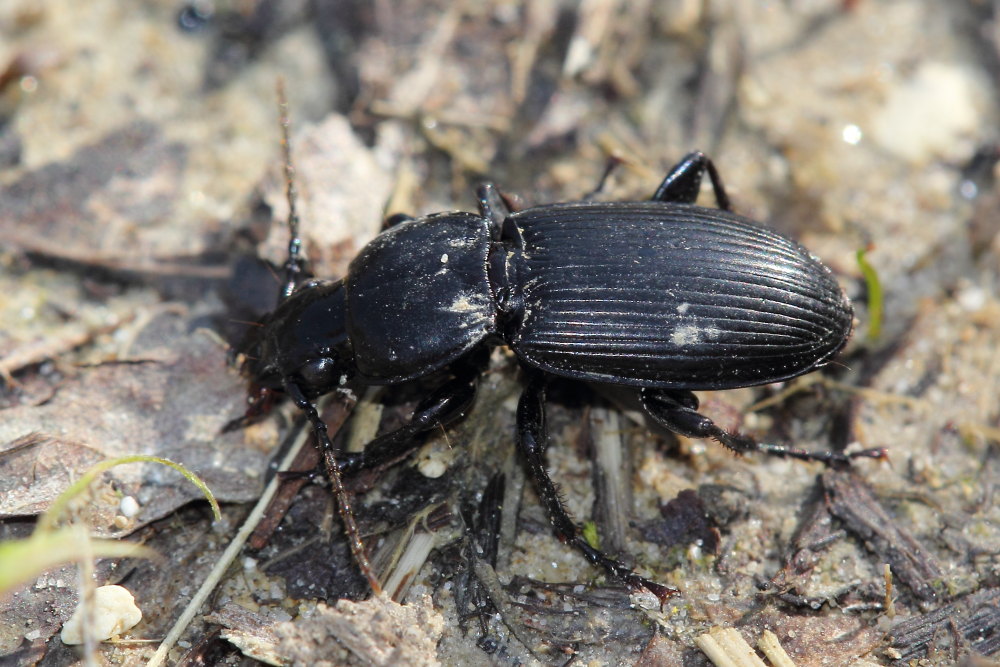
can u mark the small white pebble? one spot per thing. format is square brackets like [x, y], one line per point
[972, 298]
[129, 507]
[968, 189]
[434, 460]
[280, 616]
[432, 467]
[644, 600]
[115, 612]
[851, 134]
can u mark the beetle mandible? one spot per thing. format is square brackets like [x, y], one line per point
[662, 295]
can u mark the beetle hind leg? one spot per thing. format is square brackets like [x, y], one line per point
[531, 441]
[677, 411]
[683, 183]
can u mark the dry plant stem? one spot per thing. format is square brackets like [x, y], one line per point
[87, 588]
[365, 420]
[725, 647]
[873, 395]
[771, 646]
[487, 576]
[227, 557]
[889, 604]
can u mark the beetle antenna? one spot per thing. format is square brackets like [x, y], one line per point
[294, 264]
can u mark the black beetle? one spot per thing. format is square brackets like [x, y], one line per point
[662, 295]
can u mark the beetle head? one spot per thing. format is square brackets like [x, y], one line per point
[302, 342]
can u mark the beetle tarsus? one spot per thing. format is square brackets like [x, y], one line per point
[829, 458]
[634, 582]
[260, 401]
[612, 163]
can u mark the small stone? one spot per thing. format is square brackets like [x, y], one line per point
[115, 612]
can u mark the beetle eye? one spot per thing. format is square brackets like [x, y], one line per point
[318, 373]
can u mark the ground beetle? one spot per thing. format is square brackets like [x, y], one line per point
[661, 295]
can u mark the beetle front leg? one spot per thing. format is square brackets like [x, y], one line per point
[532, 442]
[683, 183]
[444, 405]
[677, 410]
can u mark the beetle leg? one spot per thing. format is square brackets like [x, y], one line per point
[612, 163]
[497, 207]
[683, 183]
[532, 443]
[395, 219]
[445, 405]
[829, 458]
[492, 205]
[677, 411]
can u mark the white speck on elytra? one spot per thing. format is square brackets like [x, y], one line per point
[690, 334]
